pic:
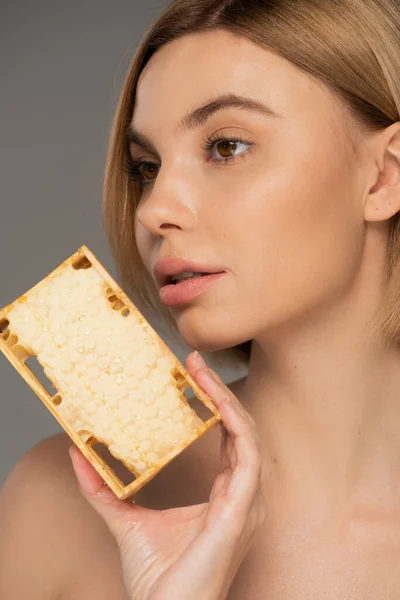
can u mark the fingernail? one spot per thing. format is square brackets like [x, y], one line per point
[199, 360]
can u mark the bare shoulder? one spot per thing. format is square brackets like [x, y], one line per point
[51, 539]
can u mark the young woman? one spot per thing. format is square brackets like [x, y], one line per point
[261, 140]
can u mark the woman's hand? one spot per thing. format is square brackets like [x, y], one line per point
[193, 552]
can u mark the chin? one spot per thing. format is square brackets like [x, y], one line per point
[209, 329]
[205, 341]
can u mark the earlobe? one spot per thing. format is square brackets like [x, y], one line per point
[383, 200]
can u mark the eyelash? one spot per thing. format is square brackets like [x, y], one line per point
[133, 166]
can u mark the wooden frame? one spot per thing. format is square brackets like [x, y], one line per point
[17, 355]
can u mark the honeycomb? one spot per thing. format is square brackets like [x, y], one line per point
[114, 381]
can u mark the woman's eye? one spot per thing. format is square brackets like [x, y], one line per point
[225, 148]
[143, 171]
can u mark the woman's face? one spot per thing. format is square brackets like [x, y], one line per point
[283, 217]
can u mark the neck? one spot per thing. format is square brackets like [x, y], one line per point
[326, 401]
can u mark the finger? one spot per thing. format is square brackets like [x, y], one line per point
[244, 458]
[219, 391]
[246, 475]
[195, 361]
[236, 421]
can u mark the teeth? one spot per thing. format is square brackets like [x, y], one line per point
[186, 275]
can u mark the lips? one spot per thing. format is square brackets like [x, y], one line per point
[188, 290]
[167, 267]
[174, 281]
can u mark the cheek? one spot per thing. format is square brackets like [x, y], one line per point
[301, 233]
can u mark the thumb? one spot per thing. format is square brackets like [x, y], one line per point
[100, 496]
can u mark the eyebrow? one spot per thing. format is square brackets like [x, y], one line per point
[197, 117]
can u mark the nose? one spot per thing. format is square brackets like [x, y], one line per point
[167, 207]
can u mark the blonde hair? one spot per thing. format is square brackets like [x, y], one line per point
[352, 46]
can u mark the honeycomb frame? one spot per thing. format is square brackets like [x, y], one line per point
[17, 355]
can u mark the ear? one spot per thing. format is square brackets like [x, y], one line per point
[383, 199]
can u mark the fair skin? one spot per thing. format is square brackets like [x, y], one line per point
[301, 230]
[316, 261]
[304, 242]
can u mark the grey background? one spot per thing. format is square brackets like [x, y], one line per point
[62, 65]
